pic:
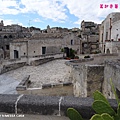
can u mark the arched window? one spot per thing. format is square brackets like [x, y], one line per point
[5, 36]
[10, 36]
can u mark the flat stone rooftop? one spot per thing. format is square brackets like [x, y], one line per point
[52, 72]
[97, 60]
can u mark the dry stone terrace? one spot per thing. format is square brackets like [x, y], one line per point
[52, 72]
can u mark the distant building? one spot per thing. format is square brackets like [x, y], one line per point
[56, 30]
[110, 34]
[90, 37]
[44, 44]
[8, 34]
[1, 54]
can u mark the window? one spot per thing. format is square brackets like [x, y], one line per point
[106, 35]
[43, 50]
[7, 47]
[102, 37]
[16, 54]
[71, 42]
[5, 36]
[10, 36]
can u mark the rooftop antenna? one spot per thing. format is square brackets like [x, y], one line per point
[29, 25]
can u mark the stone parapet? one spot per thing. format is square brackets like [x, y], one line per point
[9, 67]
[48, 105]
[41, 61]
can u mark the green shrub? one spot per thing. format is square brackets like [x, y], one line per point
[101, 106]
[62, 50]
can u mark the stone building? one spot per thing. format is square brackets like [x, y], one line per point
[90, 37]
[56, 30]
[1, 54]
[109, 34]
[8, 34]
[43, 44]
[1, 24]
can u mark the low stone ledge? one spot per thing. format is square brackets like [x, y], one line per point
[23, 84]
[41, 61]
[75, 62]
[44, 86]
[48, 105]
[7, 103]
[67, 83]
[10, 67]
[82, 60]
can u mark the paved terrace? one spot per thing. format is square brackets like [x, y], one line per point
[96, 59]
[52, 72]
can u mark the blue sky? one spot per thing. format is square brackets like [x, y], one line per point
[56, 13]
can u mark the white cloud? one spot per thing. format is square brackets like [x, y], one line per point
[90, 10]
[9, 22]
[5, 7]
[56, 10]
[37, 20]
[48, 9]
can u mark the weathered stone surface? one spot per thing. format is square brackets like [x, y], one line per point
[10, 67]
[67, 83]
[46, 86]
[43, 105]
[51, 72]
[7, 103]
[41, 61]
[48, 105]
[83, 105]
[95, 78]
[112, 71]
[23, 84]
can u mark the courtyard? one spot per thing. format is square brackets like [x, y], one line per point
[52, 72]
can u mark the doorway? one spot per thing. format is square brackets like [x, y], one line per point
[67, 51]
[43, 50]
[16, 54]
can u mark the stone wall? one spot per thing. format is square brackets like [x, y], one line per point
[112, 71]
[60, 89]
[95, 78]
[72, 41]
[41, 61]
[47, 105]
[35, 46]
[9, 67]
[21, 47]
[112, 47]
[64, 89]
[87, 79]
[79, 76]
[37, 60]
